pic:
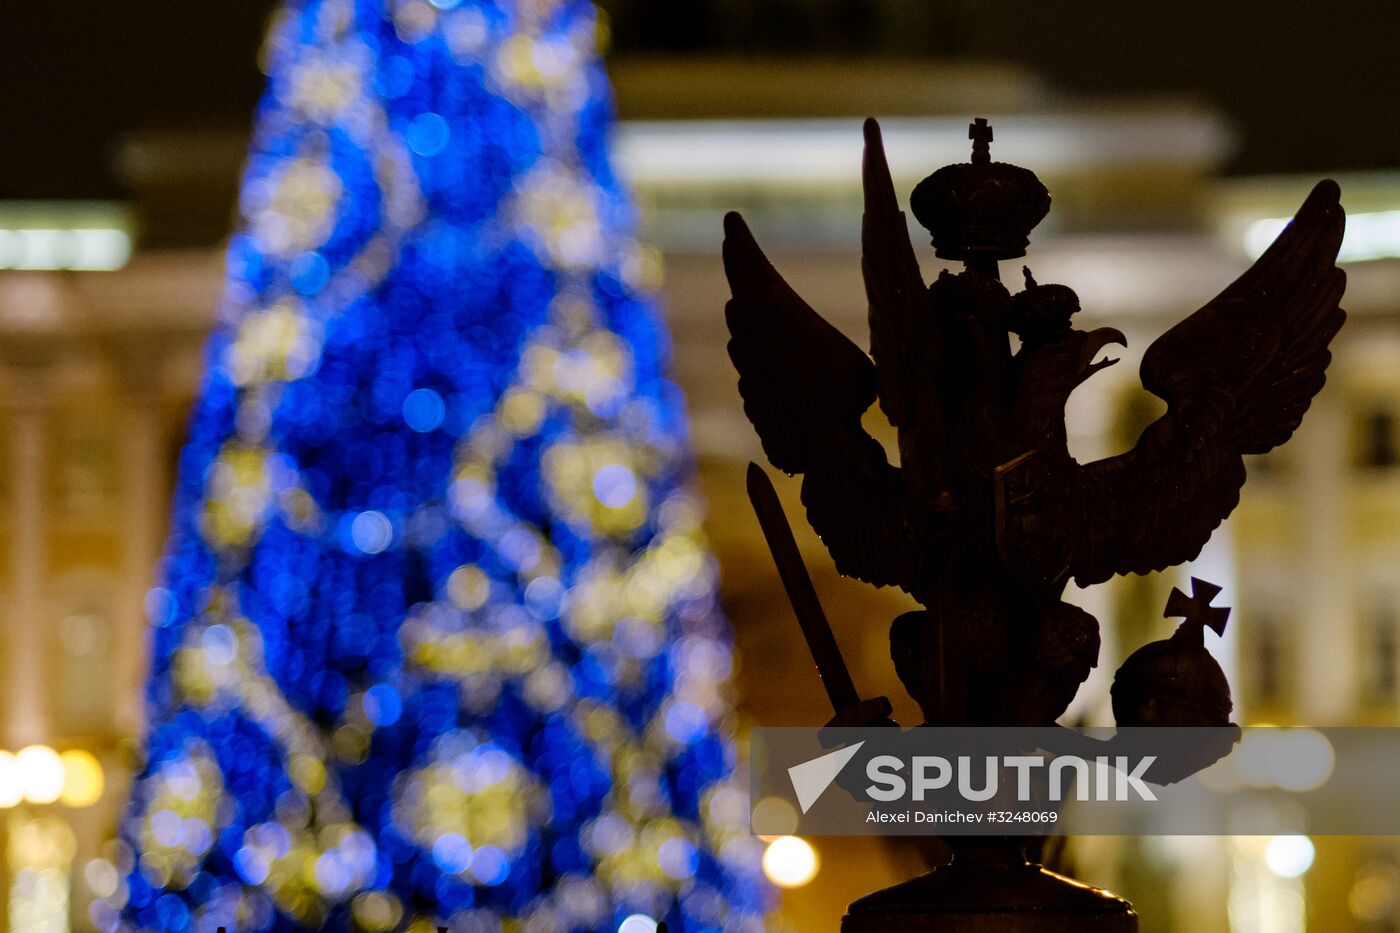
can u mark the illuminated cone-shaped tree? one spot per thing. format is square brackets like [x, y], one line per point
[435, 642]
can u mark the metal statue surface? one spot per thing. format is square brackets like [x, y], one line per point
[988, 516]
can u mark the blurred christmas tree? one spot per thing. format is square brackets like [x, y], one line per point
[436, 641]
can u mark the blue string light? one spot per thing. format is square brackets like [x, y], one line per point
[436, 639]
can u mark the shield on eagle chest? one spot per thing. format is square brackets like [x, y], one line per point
[1030, 542]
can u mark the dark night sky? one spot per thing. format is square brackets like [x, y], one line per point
[1312, 85]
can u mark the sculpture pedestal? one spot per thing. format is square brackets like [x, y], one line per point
[990, 889]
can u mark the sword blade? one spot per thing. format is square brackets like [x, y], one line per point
[803, 596]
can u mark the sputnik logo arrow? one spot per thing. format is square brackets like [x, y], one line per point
[811, 778]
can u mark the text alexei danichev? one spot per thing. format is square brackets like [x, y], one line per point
[962, 816]
[924, 816]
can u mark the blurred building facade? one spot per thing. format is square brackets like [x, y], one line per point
[99, 368]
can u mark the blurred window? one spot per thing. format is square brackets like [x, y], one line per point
[83, 475]
[1379, 657]
[1378, 447]
[81, 693]
[1267, 658]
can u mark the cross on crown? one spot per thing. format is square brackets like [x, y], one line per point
[980, 132]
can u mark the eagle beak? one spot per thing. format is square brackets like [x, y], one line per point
[1096, 340]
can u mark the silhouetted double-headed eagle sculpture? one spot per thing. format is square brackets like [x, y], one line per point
[988, 516]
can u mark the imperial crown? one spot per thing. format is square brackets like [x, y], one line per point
[980, 208]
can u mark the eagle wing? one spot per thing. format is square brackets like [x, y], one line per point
[903, 333]
[1237, 377]
[805, 387]
[901, 326]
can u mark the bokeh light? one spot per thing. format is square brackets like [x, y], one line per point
[83, 780]
[637, 923]
[1296, 760]
[790, 862]
[1289, 856]
[773, 817]
[40, 773]
[1375, 895]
